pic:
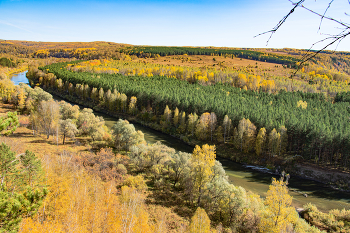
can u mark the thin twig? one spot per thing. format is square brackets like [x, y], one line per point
[326, 17]
[329, 5]
[281, 21]
[306, 57]
[337, 38]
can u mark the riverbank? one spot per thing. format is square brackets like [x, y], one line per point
[250, 179]
[338, 180]
[149, 112]
[335, 179]
[305, 190]
[6, 72]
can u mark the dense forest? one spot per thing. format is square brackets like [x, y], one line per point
[127, 186]
[296, 122]
[62, 168]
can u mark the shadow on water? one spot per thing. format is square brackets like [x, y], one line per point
[318, 194]
[258, 182]
[323, 197]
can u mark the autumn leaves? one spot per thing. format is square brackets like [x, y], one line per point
[242, 79]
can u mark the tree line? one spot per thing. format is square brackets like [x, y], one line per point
[316, 128]
[151, 51]
[311, 78]
[203, 76]
[198, 178]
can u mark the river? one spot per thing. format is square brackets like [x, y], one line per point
[320, 195]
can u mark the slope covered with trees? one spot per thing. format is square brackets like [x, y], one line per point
[300, 123]
[126, 188]
[106, 191]
[84, 189]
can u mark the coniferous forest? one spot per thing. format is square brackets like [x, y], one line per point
[63, 169]
[314, 127]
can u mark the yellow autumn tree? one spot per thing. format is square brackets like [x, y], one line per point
[6, 89]
[166, 122]
[176, 117]
[203, 160]
[279, 213]
[21, 96]
[241, 80]
[302, 104]
[245, 137]
[249, 136]
[134, 217]
[274, 142]
[200, 222]
[122, 101]
[203, 126]
[182, 125]
[132, 105]
[192, 120]
[260, 142]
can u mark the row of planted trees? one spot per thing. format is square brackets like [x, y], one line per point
[204, 127]
[244, 137]
[311, 79]
[59, 119]
[197, 178]
[316, 128]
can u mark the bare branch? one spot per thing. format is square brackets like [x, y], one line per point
[337, 38]
[281, 21]
[325, 17]
[334, 39]
[329, 5]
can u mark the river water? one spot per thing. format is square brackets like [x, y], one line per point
[323, 197]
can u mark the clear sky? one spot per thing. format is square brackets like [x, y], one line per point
[177, 23]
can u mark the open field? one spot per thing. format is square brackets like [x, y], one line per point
[220, 62]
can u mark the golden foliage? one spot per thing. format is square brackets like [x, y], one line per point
[279, 214]
[80, 202]
[302, 104]
[203, 160]
[136, 182]
[200, 222]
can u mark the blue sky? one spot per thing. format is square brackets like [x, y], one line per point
[177, 23]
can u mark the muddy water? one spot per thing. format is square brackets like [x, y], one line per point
[258, 182]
